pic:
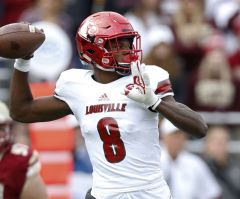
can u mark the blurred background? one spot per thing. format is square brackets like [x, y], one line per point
[196, 41]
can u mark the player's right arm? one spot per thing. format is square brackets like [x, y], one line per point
[25, 109]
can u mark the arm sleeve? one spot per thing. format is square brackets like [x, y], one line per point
[63, 89]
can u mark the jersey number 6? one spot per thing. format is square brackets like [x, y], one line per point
[113, 145]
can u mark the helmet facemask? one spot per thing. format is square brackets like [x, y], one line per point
[122, 51]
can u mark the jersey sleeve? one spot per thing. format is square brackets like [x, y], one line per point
[159, 80]
[63, 89]
[61, 85]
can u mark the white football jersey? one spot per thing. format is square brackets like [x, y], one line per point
[121, 135]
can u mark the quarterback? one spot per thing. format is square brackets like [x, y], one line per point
[117, 104]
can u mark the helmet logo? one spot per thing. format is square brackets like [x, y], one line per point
[91, 29]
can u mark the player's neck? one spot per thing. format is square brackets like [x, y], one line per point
[105, 77]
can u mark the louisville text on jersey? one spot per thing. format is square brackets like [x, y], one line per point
[99, 108]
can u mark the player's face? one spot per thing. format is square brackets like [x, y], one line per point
[121, 49]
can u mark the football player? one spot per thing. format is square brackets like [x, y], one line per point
[117, 104]
[19, 165]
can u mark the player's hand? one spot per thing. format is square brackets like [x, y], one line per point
[140, 90]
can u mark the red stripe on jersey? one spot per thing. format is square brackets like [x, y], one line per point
[164, 87]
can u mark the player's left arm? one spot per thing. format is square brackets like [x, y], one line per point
[182, 116]
[179, 114]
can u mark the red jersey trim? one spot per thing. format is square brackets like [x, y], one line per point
[164, 87]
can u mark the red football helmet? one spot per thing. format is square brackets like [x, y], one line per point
[96, 32]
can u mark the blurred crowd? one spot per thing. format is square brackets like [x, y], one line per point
[196, 41]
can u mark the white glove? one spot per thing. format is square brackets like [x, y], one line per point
[140, 90]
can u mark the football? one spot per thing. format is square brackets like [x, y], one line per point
[18, 40]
